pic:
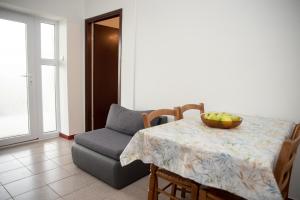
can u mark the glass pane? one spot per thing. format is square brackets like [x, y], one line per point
[47, 41]
[48, 95]
[13, 79]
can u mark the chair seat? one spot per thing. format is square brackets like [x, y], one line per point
[104, 141]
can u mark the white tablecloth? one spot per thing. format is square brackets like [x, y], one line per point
[239, 160]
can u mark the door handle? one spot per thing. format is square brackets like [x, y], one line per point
[26, 76]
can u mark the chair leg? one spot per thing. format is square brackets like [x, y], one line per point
[202, 194]
[156, 190]
[183, 191]
[152, 190]
[173, 191]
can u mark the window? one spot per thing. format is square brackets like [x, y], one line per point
[47, 41]
[48, 76]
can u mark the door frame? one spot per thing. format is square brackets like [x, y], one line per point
[88, 64]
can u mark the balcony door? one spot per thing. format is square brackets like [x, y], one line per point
[28, 103]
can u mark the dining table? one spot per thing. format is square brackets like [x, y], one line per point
[239, 160]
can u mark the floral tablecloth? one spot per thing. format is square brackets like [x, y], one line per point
[239, 160]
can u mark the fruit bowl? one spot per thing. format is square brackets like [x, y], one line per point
[221, 120]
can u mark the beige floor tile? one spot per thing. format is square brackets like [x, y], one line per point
[71, 167]
[55, 175]
[26, 153]
[32, 182]
[12, 150]
[162, 182]
[97, 190]
[61, 144]
[63, 160]
[5, 158]
[47, 147]
[42, 166]
[60, 152]
[72, 183]
[37, 147]
[142, 183]
[128, 193]
[13, 175]
[44, 193]
[4, 194]
[10, 165]
[25, 185]
[29, 160]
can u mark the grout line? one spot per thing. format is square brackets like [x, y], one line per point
[46, 184]
[7, 191]
[56, 148]
[10, 170]
[54, 191]
[35, 163]
[81, 188]
[28, 191]
[33, 174]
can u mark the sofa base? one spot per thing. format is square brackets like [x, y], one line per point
[106, 169]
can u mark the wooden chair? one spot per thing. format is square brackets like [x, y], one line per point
[296, 129]
[183, 109]
[285, 162]
[187, 107]
[282, 171]
[155, 172]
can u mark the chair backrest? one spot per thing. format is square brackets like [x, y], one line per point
[148, 117]
[285, 161]
[296, 129]
[187, 107]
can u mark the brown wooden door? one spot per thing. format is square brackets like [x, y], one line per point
[105, 72]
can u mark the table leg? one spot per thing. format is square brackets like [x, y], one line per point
[152, 183]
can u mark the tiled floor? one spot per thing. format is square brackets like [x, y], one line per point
[45, 171]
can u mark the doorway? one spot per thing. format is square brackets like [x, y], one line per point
[102, 70]
[28, 78]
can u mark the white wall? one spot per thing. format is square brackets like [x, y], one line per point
[236, 56]
[98, 7]
[70, 15]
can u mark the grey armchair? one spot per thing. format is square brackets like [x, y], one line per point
[98, 152]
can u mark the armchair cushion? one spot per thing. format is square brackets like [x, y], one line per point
[105, 141]
[126, 121]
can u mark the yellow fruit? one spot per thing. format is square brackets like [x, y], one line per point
[206, 116]
[212, 116]
[235, 118]
[226, 121]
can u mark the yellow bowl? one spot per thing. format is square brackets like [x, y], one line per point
[220, 124]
